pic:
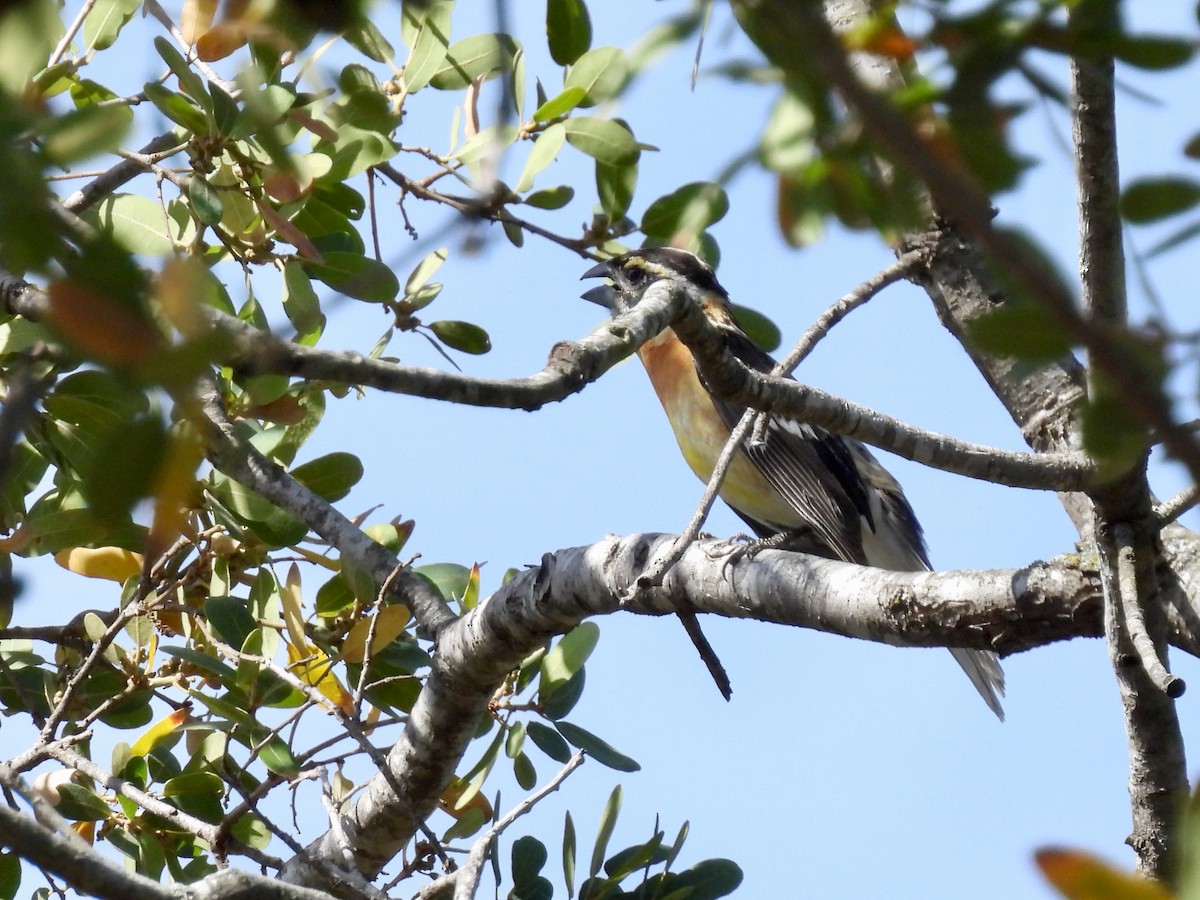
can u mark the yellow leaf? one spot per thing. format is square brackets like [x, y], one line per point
[293, 612]
[389, 623]
[314, 668]
[111, 563]
[1081, 876]
[166, 725]
[196, 18]
[86, 830]
[174, 490]
[459, 797]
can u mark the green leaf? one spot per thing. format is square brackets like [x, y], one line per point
[551, 198]
[206, 200]
[330, 476]
[368, 40]
[105, 21]
[1150, 199]
[560, 105]
[568, 655]
[468, 59]
[709, 879]
[1022, 330]
[1153, 52]
[559, 702]
[603, 752]
[278, 758]
[358, 276]
[604, 140]
[568, 30]
[300, 302]
[189, 82]
[426, 30]
[615, 186]
[524, 772]
[85, 132]
[230, 619]
[687, 210]
[357, 149]
[450, 579]
[176, 107]
[548, 741]
[425, 270]
[758, 327]
[601, 73]
[80, 805]
[568, 853]
[137, 223]
[464, 336]
[528, 858]
[121, 465]
[608, 822]
[10, 875]
[545, 150]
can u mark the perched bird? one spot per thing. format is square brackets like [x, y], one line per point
[823, 492]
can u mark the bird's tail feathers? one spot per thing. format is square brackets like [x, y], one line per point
[983, 668]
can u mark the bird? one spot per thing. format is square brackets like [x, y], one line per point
[797, 484]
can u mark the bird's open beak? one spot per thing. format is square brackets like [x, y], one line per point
[602, 294]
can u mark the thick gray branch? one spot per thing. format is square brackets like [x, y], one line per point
[1007, 610]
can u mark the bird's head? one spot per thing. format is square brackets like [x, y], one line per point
[632, 274]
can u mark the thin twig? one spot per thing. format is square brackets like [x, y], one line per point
[1170, 510]
[1134, 621]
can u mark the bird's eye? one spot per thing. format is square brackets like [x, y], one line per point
[635, 276]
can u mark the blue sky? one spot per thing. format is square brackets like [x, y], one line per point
[840, 768]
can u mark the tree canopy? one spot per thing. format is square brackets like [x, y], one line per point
[309, 548]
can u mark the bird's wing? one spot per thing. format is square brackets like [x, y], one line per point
[812, 469]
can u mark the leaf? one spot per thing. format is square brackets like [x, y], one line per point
[206, 201]
[101, 326]
[426, 28]
[464, 336]
[358, 276]
[568, 656]
[10, 875]
[548, 741]
[688, 210]
[709, 879]
[1150, 199]
[425, 270]
[615, 186]
[528, 858]
[176, 107]
[105, 21]
[1081, 876]
[110, 563]
[189, 82]
[479, 55]
[1021, 330]
[551, 198]
[568, 30]
[524, 772]
[759, 328]
[568, 853]
[604, 140]
[545, 150]
[137, 223]
[608, 822]
[1153, 52]
[330, 476]
[80, 804]
[450, 579]
[390, 622]
[165, 727]
[85, 132]
[601, 73]
[603, 752]
[230, 619]
[561, 104]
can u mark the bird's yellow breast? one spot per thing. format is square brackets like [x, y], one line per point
[701, 434]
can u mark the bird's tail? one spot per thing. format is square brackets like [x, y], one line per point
[983, 668]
